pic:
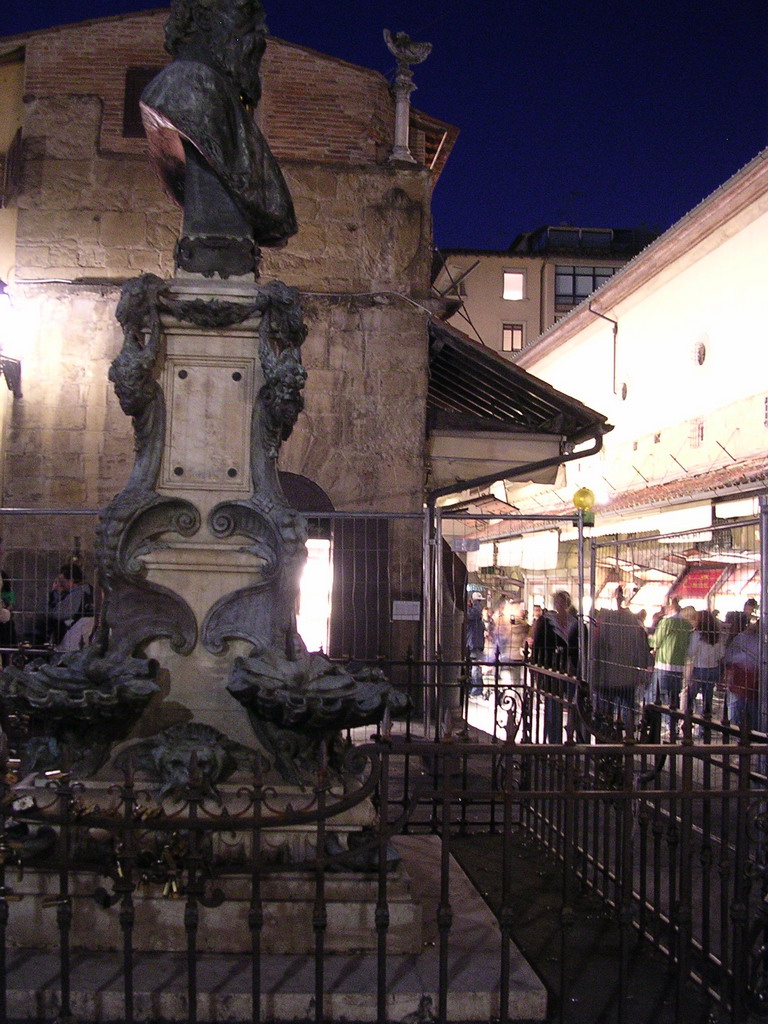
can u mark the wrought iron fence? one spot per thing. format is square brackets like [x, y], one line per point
[671, 836]
[659, 810]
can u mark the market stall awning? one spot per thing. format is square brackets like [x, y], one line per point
[697, 582]
[741, 580]
[486, 417]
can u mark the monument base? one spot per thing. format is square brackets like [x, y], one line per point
[287, 893]
[287, 905]
[288, 981]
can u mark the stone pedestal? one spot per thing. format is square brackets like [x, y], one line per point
[200, 554]
[288, 895]
[211, 378]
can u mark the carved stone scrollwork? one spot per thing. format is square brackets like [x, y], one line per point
[148, 610]
[247, 613]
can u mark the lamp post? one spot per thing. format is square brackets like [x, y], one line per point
[583, 500]
[9, 368]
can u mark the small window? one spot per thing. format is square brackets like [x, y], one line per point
[574, 283]
[456, 280]
[514, 284]
[511, 337]
[697, 433]
[136, 81]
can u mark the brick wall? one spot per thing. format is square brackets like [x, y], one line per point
[89, 59]
[314, 107]
[90, 207]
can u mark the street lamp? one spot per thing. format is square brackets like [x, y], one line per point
[9, 368]
[583, 501]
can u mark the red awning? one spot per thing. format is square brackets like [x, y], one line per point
[697, 582]
[741, 579]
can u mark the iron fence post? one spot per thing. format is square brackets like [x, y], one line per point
[580, 664]
[592, 596]
[381, 914]
[763, 619]
[429, 640]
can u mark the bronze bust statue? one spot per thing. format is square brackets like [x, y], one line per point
[211, 157]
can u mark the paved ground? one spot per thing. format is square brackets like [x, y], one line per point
[593, 949]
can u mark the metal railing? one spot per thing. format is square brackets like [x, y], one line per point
[671, 836]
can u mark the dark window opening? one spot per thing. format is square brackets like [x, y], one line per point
[136, 81]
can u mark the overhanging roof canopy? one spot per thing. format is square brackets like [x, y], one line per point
[489, 418]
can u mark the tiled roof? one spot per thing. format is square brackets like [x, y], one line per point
[750, 474]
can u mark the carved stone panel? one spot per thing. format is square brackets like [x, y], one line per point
[209, 415]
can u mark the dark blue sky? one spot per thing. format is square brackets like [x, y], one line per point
[617, 114]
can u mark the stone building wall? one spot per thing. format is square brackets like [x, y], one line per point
[91, 214]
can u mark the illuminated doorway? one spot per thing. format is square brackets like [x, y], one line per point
[313, 617]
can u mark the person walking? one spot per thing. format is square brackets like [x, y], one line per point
[670, 642]
[475, 641]
[556, 646]
[705, 652]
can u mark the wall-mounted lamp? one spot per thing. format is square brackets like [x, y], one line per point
[9, 368]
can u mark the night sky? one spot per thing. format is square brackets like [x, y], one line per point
[610, 114]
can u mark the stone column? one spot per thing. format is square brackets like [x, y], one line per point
[407, 53]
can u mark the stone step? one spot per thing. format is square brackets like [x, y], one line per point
[288, 981]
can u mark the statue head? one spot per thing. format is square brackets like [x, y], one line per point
[181, 754]
[229, 34]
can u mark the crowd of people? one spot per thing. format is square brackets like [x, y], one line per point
[682, 658]
[64, 625]
[496, 635]
[697, 655]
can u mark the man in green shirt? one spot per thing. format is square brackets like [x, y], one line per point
[670, 646]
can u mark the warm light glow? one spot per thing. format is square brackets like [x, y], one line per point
[5, 302]
[314, 614]
[9, 328]
[584, 499]
[514, 284]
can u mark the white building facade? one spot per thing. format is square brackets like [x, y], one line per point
[674, 350]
